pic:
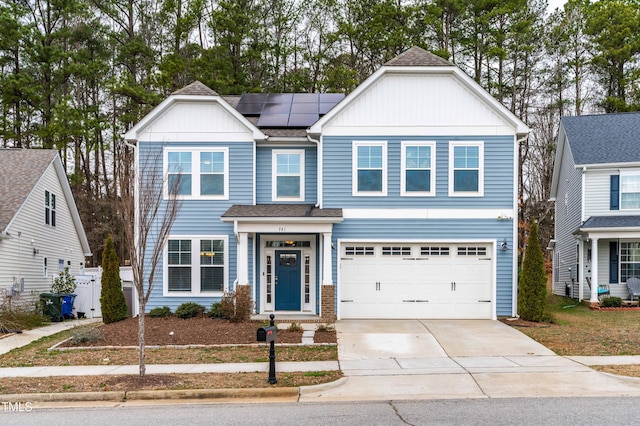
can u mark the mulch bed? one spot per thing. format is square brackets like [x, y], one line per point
[519, 322]
[192, 331]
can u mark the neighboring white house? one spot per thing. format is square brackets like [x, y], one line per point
[40, 228]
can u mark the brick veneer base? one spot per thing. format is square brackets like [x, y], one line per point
[328, 303]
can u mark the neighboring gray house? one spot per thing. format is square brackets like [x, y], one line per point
[396, 201]
[40, 229]
[596, 189]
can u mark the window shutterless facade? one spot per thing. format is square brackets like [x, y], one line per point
[369, 168]
[288, 175]
[418, 169]
[466, 169]
[197, 173]
[196, 266]
[49, 208]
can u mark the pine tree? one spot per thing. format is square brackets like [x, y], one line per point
[113, 304]
[532, 290]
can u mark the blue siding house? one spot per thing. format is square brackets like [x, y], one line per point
[395, 201]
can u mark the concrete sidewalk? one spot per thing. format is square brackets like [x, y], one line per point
[387, 360]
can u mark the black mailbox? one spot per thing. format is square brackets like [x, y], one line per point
[266, 334]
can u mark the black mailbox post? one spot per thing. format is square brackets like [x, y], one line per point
[268, 334]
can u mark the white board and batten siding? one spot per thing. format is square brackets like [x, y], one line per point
[430, 105]
[396, 280]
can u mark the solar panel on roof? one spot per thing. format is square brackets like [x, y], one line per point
[302, 120]
[287, 109]
[273, 120]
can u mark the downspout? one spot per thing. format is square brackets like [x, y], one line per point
[516, 245]
[319, 170]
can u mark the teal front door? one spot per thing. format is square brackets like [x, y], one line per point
[288, 280]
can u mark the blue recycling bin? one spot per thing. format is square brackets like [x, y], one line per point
[67, 305]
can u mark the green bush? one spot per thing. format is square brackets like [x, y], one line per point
[532, 285]
[611, 302]
[112, 301]
[86, 336]
[216, 311]
[189, 310]
[160, 312]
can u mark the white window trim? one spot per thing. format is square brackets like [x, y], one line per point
[195, 173]
[480, 192]
[403, 170]
[354, 169]
[623, 173]
[195, 267]
[274, 174]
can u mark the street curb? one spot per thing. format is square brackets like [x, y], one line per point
[304, 390]
[64, 397]
[213, 393]
[121, 396]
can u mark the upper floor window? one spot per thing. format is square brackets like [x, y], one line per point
[629, 191]
[466, 169]
[201, 173]
[49, 208]
[418, 168]
[288, 175]
[369, 168]
[196, 266]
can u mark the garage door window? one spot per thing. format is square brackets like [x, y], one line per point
[472, 251]
[359, 251]
[396, 251]
[434, 251]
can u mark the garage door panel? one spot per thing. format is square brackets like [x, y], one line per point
[456, 282]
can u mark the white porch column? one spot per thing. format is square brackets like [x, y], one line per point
[582, 271]
[327, 260]
[243, 259]
[594, 270]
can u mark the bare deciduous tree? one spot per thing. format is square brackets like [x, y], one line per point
[148, 215]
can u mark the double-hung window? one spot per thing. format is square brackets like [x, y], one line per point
[466, 169]
[196, 266]
[197, 173]
[369, 174]
[288, 175]
[629, 260]
[630, 191]
[49, 208]
[418, 169]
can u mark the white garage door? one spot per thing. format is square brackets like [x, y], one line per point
[424, 281]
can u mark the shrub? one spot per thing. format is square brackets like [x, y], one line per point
[22, 319]
[216, 311]
[295, 327]
[611, 302]
[64, 283]
[324, 327]
[236, 307]
[86, 336]
[112, 301]
[532, 289]
[189, 310]
[160, 312]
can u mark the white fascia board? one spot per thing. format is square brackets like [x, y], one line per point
[629, 165]
[423, 131]
[134, 133]
[498, 214]
[557, 164]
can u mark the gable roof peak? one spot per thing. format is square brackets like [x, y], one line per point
[196, 88]
[417, 57]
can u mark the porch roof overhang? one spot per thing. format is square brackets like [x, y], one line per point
[610, 227]
[287, 218]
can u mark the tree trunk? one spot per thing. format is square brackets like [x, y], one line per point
[142, 361]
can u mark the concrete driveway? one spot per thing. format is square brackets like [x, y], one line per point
[437, 359]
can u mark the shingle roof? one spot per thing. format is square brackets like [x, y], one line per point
[20, 170]
[417, 57]
[612, 222]
[196, 88]
[281, 210]
[602, 139]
